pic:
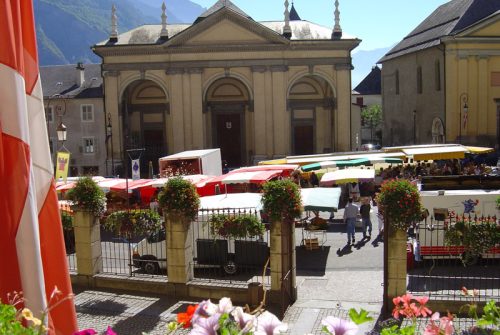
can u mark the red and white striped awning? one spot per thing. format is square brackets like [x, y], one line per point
[254, 177]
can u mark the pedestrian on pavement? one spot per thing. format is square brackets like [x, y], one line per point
[350, 214]
[314, 180]
[365, 217]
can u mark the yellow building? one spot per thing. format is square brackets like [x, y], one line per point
[441, 83]
[257, 90]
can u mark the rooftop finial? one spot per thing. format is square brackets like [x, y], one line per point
[164, 30]
[337, 31]
[113, 36]
[287, 31]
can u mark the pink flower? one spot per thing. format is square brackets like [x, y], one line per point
[86, 332]
[422, 310]
[225, 305]
[445, 326]
[339, 326]
[110, 331]
[205, 309]
[206, 326]
[244, 320]
[268, 324]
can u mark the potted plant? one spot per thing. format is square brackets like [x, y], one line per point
[86, 196]
[476, 236]
[179, 197]
[240, 226]
[399, 201]
[133, 223]
[282, 200]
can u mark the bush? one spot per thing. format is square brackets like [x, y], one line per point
[399, 201]
[67, 220]
[87, 196]
[282, 200]
[180, 197]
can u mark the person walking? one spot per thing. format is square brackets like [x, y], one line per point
[350, 214]
[365, 217]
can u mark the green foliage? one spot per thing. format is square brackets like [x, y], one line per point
[477, 237]
[179, 197]
[359, 318]
[498, 202]
[490, 317]
[133, 222]
[281, 200]
[67, 220]
[399, 200]
[396, 330]
[372, 115]
[240, 226]
[10, 322]
[227, 325]
[87, 196]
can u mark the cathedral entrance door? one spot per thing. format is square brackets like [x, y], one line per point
[229, 137]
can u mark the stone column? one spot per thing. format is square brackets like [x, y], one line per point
[174, 75]
[283, 261]
[395, 266]
[179, 253]
[259, 113]
[87, 243]
[343, 108]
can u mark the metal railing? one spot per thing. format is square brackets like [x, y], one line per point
[232, 260]
[439, 268]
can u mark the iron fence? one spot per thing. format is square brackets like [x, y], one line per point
[232, 260]
[447, 255]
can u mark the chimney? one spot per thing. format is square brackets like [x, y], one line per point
[80, 74]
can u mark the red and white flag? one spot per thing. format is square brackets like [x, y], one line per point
[32, 253]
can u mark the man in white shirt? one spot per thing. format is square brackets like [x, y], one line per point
[350, 214]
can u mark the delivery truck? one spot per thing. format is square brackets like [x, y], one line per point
[206, 162]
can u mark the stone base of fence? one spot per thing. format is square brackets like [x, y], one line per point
[195, 291]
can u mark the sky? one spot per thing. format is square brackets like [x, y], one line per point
[378, 23]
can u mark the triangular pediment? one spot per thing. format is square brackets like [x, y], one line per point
[226, 27]
[489, 27]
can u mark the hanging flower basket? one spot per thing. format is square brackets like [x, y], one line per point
[282, 200]
[179, 197]
[87, 196]
[399, 200]
[476, 236]
[240, 226]
[133, 223]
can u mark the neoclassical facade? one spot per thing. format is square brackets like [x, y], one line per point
[255, 90]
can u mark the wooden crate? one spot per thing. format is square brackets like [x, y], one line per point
[311, 243]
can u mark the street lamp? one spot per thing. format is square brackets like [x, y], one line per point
[464, 110]
[61, 133]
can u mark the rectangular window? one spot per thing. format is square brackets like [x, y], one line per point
[87, 113]
[419, 80]
[88, 145]
[438, 76]
[49, 114]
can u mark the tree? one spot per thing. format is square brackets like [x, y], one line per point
[372, 117]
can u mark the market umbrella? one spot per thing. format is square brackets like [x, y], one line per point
[325, 199]
[352, 162]
[232, 200]
[347, 176]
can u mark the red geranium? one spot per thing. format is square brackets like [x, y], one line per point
[185, 318]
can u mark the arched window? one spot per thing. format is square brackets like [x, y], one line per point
[437, 131]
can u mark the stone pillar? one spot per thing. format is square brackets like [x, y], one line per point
[177, 108]
[283, 262]
[395, 266]
[259, 113]
[179, 249]
[87, 243]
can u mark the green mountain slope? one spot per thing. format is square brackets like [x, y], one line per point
[66, 29]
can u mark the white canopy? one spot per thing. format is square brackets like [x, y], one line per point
[347, 176]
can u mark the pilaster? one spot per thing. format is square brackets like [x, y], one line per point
[481, 115]
[280, 116]
[186, 99]
[176, 110]
[197, 108]
[259, 113]
[179, 249]
[87, 244]
[343, 110]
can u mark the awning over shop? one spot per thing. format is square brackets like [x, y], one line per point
[304, 160]
[353, 162]
[195, 179]
[347, 176]
[320, 198]
[435, 153]
[254, 177]
[479, 150]
[273, 162]
[232, 200]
